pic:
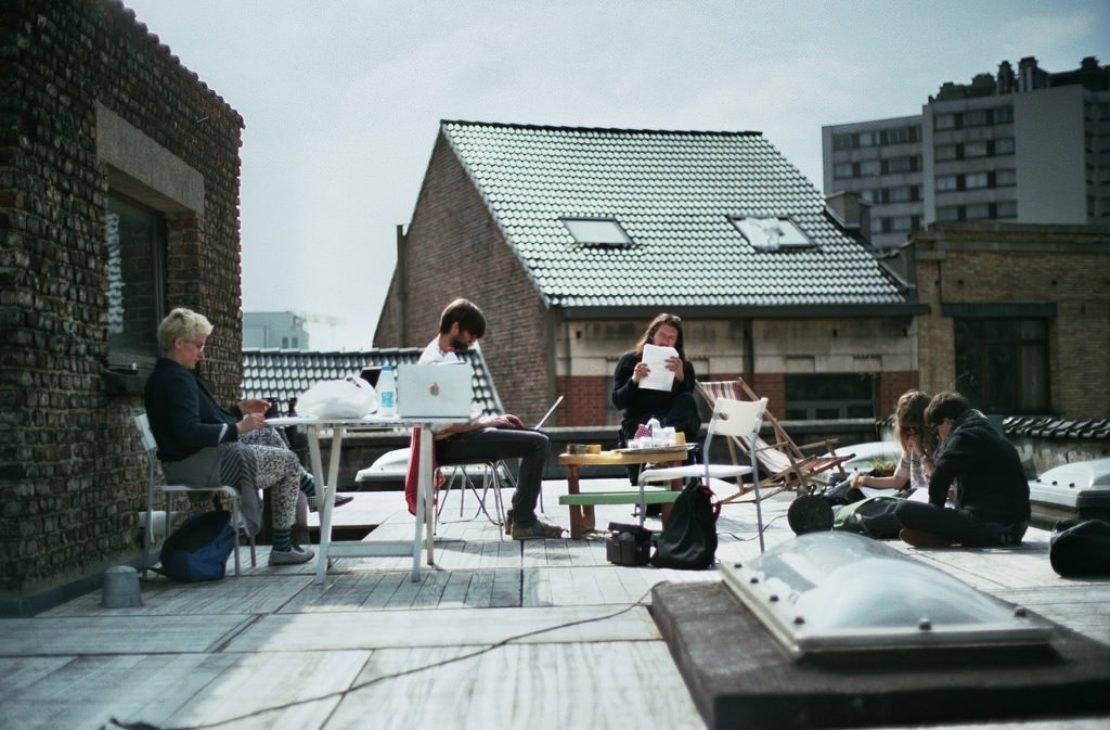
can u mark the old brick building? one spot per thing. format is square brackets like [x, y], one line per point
[572, 239]
[119, 187]
[1019, 315]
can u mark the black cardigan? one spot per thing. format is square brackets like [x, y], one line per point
[184, 417]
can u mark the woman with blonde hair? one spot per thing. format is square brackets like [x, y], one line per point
[202, 443]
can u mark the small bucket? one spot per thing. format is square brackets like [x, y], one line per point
[121, 588]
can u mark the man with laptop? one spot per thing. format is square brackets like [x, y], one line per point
[492, 438]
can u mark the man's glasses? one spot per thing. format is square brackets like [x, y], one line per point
[198, 345]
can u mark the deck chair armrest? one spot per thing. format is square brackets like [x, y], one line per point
[828, 444]
[773, 447]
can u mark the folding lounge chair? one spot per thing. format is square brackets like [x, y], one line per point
[784, 463]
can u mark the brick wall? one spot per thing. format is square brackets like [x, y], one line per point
[1068, 266]
[586, 400]
[453, 249]
[71, 469]
[891, 386]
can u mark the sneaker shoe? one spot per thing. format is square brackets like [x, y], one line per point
[296, 556]
[537, 531]
[921, 538]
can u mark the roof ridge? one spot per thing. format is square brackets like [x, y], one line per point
[563, 128]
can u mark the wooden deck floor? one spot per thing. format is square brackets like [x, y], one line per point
[541, 634]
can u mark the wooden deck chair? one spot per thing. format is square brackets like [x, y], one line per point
[784, 464]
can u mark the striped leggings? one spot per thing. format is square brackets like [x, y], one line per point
[262, 460]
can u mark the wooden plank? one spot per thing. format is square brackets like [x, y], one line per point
[125, 634]
[616, 684]
[382, 629]
[655, 496]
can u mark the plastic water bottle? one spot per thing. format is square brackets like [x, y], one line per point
[387, 393]
[656, 431]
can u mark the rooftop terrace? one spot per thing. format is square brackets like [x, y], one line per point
[499, 634]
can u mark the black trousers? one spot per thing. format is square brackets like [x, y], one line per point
[961, 525]
[493, 444]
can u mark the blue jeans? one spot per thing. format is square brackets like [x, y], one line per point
[494, 444]
[959, 524]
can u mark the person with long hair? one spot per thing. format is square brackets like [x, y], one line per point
[981, 470]
[675, 407]
[915, 466]
[877, 518]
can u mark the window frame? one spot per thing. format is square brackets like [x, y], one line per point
[992, 335]
[123, 352]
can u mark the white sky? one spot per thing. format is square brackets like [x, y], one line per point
[342, 98]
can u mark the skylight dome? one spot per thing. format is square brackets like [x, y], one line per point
[831, 594]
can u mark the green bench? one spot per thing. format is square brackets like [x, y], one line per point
[625, 496]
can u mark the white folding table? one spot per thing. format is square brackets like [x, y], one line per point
[326, 488]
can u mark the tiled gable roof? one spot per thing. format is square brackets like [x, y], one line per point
[672, 192]
[283, 374]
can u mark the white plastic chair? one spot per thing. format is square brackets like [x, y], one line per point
[731, 418]
[146, 436]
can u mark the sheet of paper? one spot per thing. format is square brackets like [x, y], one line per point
[660, 378]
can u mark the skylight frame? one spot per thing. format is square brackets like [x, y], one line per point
[597, 231]
[795, 588]
[754, 229]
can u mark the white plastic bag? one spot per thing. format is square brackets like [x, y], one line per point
[348, 398]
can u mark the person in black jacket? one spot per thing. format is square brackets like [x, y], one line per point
[984, 472]
[203, 444]
[675, 407]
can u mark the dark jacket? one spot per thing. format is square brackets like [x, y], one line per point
[639, 405]
[990, 481]
[184, 417]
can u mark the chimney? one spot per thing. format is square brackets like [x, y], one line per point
[851, 213]
[1006, 80]
[1029, 76]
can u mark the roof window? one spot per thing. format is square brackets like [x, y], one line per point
[770, 233]
[597, 231]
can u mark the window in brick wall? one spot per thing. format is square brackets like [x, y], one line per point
[830, 396]
[1002, 364]
[135, 239]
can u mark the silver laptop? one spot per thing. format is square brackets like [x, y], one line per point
[435, 391]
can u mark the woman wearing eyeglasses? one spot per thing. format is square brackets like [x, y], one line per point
[203, 444]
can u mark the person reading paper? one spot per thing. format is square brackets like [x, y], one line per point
[639, 402]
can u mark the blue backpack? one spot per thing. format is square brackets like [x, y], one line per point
[198, 550]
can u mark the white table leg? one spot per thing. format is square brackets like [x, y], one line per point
[321, 502]
[423, 474]
[429, 498]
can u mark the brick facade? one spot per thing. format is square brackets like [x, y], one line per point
[1067, 267]
[453, 248]
[78, 76]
